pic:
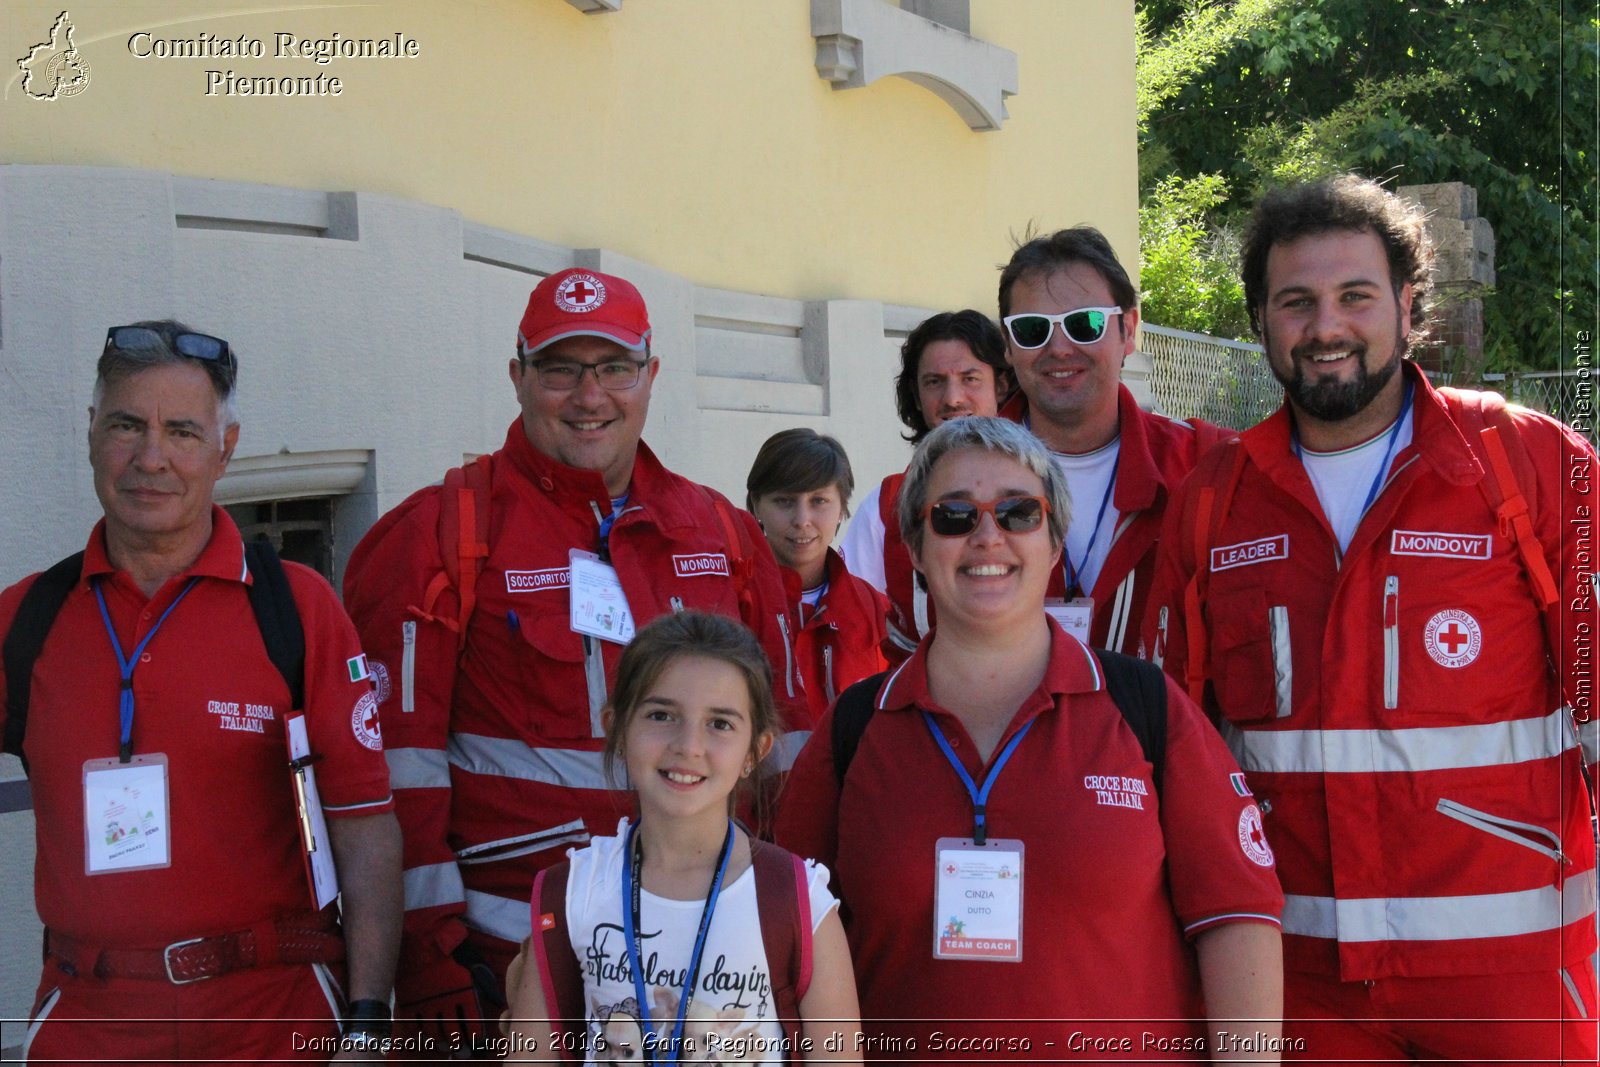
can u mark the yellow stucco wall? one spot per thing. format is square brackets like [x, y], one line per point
[693, 134]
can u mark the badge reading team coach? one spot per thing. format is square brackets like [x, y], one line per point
[598, 606]
[125, 824]
[977, 900]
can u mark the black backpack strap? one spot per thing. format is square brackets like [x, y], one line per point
[277, 617]
[851, 713]
[1139, 689]
[25, 640]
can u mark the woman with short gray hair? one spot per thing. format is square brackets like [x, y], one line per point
[1066, 871]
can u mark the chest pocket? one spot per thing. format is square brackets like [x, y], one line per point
[1252, 667]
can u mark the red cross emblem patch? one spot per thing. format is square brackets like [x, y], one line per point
[1453, 638]
[580, 292]
[1253, 837]
[364, 721]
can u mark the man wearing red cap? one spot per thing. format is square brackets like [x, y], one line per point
[495, 609]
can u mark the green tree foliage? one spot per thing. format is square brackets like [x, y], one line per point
[1499, 94]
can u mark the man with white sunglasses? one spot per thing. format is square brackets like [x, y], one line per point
[1070, 316]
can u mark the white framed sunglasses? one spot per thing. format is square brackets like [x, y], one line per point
[1083, 326]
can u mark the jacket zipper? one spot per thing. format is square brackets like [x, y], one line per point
[827, 672]
[1282, 660]
[594, 677]
[788, 655]
[408, 666]
[1391, 641]
[1518, 833]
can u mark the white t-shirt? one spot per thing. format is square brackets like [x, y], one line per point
[733, 998]
[1343, 479]
[862, 543]
[1088, 481]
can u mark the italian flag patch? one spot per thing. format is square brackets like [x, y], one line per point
[1239, 786]
[358, 668]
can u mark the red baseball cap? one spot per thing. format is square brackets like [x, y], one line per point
[584, 303]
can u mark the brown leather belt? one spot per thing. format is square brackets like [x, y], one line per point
[303, 938]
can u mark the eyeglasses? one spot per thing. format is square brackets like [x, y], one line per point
[1013, 514]
[1084, 326]
[193, 345]
[615, 375]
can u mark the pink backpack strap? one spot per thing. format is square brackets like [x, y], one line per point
[559, 973]
[783, 902]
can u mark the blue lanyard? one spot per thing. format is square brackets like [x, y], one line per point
[1388, 449]
[1074, 570]
[630, 920]
[606, 522]
[126, 664]
[980, 797]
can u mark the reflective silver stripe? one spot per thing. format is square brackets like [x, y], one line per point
[1588, 739]
[417, 768]
[509, 920]
[1461, 918]
[503, 757]
[1518, 833]
[594, 678]
[1391, 642]
[1121, 609]
[919, 607]
[1282, 659]
[408, 666]
[38, 1021]
[1572, 991]
[433, 885]
[785, 750]
[1422, 748]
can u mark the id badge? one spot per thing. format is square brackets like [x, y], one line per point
[1074, 615]
[598, 606]
[126, 825]
[977, 900]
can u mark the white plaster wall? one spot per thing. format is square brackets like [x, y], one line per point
[373, 324]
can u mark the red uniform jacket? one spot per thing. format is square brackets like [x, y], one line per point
[840, 641]
[1395, 707]
[495, 756]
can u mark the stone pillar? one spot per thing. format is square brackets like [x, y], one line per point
[1464, 268]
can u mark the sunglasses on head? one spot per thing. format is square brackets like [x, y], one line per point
[1084, 326]
[194, 345]
[1013, 514]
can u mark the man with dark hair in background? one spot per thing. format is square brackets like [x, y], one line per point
[952, 364]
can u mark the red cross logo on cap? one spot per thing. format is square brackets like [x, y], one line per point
[580, 292]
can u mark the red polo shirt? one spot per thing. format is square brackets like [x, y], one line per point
[1117, 881]
[206, 696]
